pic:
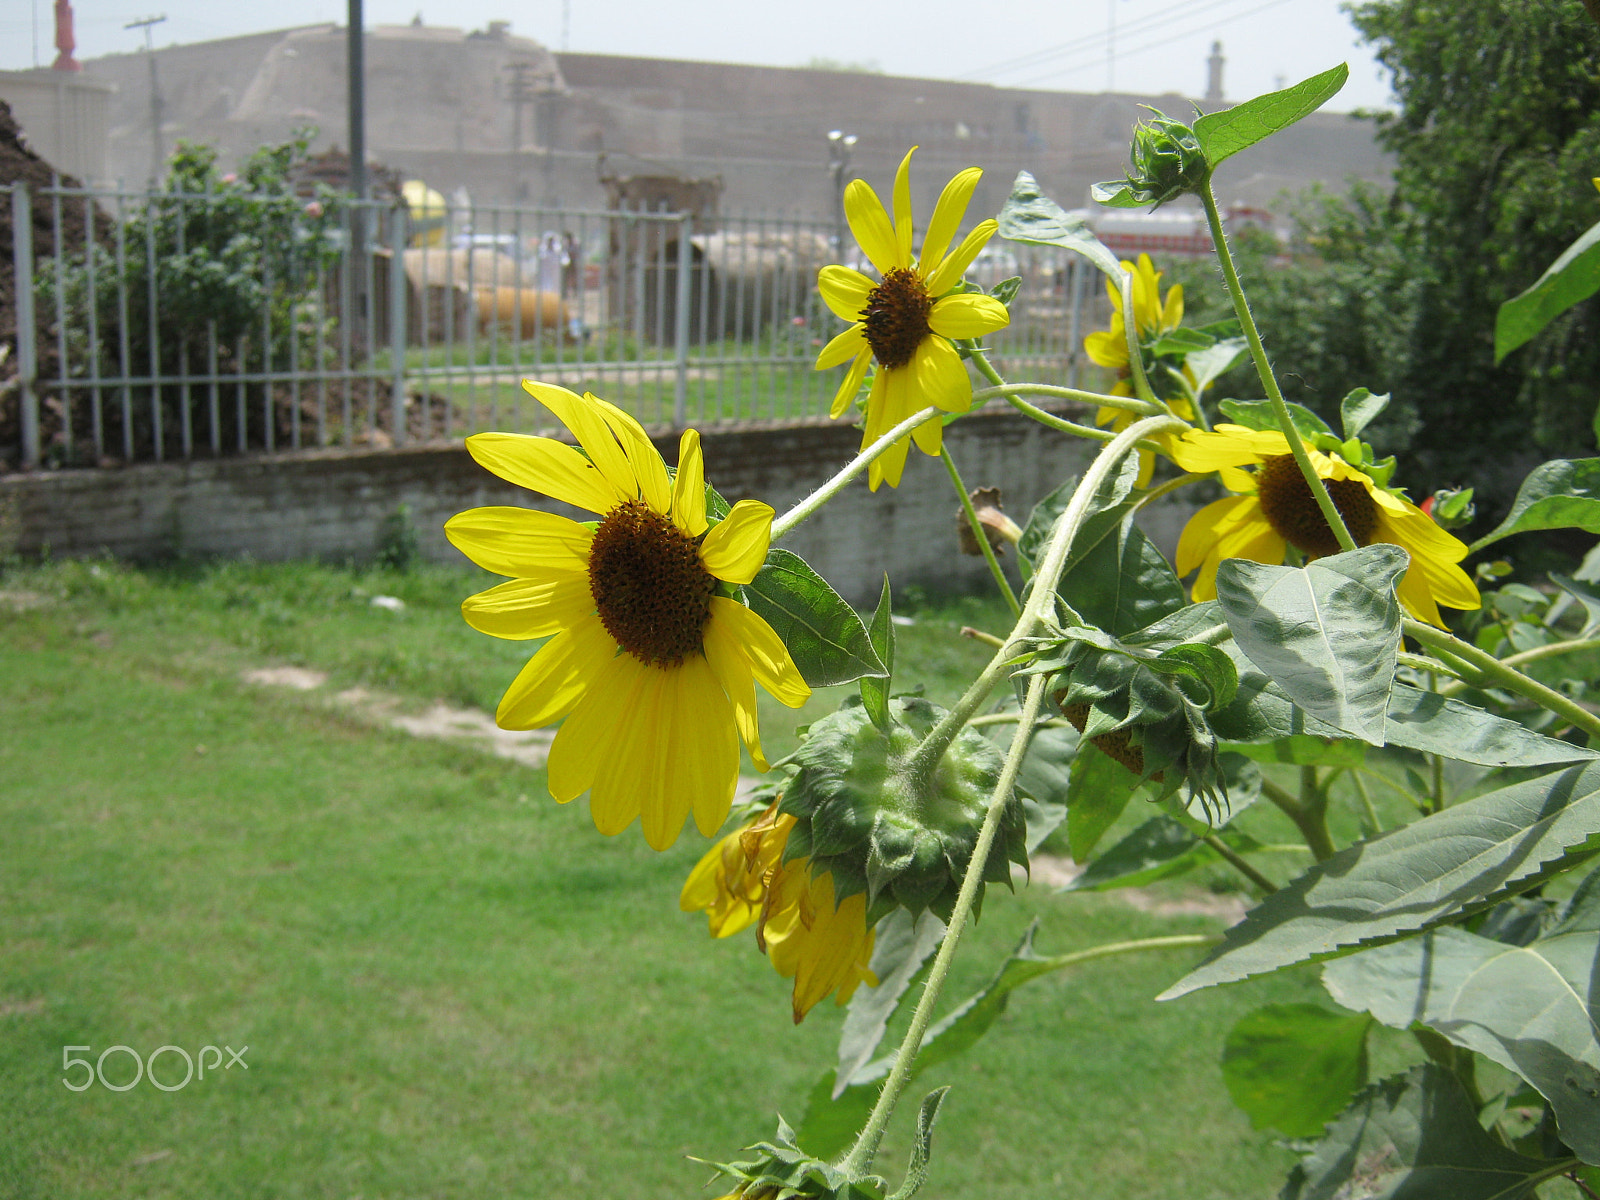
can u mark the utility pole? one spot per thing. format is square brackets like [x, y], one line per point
[840, 144]
[155, 94]
[356, 72]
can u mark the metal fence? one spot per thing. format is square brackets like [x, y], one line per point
[162, 325]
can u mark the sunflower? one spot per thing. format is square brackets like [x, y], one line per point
[905, 321]
[652, 666]
[1108, 348]
[823, 944]
[1275, 509]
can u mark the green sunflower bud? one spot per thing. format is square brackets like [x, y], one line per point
[880, 827]
[1167, 162]
[781, 1170]
[1452, 508]
[1144, 709]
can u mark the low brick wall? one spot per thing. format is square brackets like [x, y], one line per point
[333, 504]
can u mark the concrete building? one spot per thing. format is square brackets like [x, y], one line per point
[511, 121]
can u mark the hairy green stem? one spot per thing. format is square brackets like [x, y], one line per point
[1493, 670]
[786, 523]
[1280, 410]
[1060, 424]
[1141, 407]
[979, 532]
[1374, 825]
[1312, 821]
[1239, 863]
[1527, 656]
[1044, 587]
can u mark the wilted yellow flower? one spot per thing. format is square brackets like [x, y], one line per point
[905, 321]
[654, 671]
[822, 944]
[1275, 509]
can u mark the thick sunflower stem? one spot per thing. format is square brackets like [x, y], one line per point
[859, 1160]
[1008, 390]
[1549, 650]
[1311, 819]
[1066, 528]
[1494, 671]
[1130, 330]
[979, 532]
[786, 523]
[1269, 381]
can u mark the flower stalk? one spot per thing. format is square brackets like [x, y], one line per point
[785, 524]
[979, 533]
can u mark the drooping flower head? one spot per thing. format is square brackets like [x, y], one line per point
[905, 321]
[1275, 510]
[652, 666]
[823, 944]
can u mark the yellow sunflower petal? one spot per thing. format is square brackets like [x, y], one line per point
[768, 657]
[844, 291]
[530, 608]
[967, 315]
[1208, 525]
[891, 409]
[521, 542]
[704, 757]
[843, 347]
[949, 272]
[1434, 555]
[655, 489]
[689, 488]
[850, 384]
[871, 227]
[729, 663]
[589, 426]
[938, 377]
[546, 466]
[947, 214]
[903, 232]
[557, 677]
[737, 545]
[1172, 311]
[586, 738]
[1226, 446]
[1418, 600]
[703, 887]
[614, 747]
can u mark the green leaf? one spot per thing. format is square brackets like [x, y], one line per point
[831, 1123]
[1328, 634]
[1450, 864]
[1571, 279]
[1413, 1137]
[922, 1145]
[875, 688]
[1524, 1007]
[1158, 849]
[1006, 290]
[1359, 409]
[1225, 133]
[1122, 583]
[1044, 778]
[1107, 509]
[1181, 341]
[827, 640]
[1304, 750]
[1211, 364]
[1258, 414]
[1433, 724]
[1207, 666]
[1294, 1067]
[1561, 494]
[901, 945]
[1030, 216]
[1100, 789]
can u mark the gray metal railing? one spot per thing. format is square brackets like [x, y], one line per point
[174, 325]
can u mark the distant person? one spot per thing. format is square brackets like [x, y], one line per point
[570, 265]
[552, 260]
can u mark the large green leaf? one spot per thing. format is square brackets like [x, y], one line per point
[902, 943]
[1225, 133]
[1294, 1067]
[1434, 724]
[1259, 414]
[825, 637]
[1413, 1137]
[1449, 864]
[1106, 510]
[1099, 790]
[1561, 494]
[1532, 1008]
[1159, 849]
[1571, 279]
[1327, 634]
[1122, 583]
[1030, 216]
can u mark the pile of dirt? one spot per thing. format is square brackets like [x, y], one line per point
[19, 163]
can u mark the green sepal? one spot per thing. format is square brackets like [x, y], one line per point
[781, 1170]
[1167, 161]
[1006, 290]
[1359, 409]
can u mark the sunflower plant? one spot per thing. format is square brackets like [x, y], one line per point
[1335, 636]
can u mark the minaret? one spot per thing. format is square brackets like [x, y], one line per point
[1214, 75]
[65, 42]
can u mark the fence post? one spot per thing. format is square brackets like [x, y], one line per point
[27, 330]
[397, 322]
[680, 330]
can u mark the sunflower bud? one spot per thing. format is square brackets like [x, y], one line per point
[880, 826]
[1450, 508]
[1167, 162]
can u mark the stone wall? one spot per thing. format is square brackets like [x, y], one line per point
[332, 504]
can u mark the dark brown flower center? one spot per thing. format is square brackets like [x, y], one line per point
[652, 592]
[896, 317]
[1291, 509]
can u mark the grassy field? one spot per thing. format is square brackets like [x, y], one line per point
[449, 985]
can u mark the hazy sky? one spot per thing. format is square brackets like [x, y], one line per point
[1161, 45]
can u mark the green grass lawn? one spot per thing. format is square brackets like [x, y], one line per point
[449, 985]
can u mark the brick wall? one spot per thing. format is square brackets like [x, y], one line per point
[333, 504]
